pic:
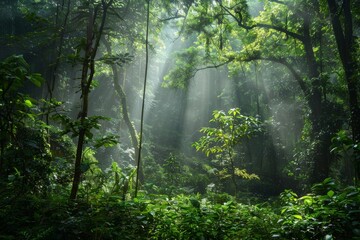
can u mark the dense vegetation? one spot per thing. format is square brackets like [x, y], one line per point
[193, 119]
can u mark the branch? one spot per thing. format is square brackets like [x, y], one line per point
[213, 66]
[177, 16]
[262, 25]
[278, 1]
[280, 29]
[282, 61]
[183, 25]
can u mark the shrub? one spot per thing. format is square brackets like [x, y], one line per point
[326, 213]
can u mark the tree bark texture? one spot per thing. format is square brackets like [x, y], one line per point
[345, 40]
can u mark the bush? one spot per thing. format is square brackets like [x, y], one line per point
[185, 217]
[326, 213]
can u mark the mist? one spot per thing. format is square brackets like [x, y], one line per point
[179, 119]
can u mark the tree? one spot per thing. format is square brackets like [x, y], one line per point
[90, 47]
[285, 33]
[117, 62]
[231, 129]
[342, 21]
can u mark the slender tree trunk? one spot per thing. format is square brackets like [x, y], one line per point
[88, 71]
[233, 175]
[125, 113]
[59, 48]
[84, 108]
[143, 99]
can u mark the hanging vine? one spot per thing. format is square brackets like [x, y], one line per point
[143, 99]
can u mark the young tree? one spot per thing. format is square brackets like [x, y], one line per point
[94, 32]
[231, 129]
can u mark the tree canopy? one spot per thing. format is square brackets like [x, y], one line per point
[181, 119]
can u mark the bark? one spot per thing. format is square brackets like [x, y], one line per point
[124, 107]
[85, 77]
[59, 47]
[88, 71]
[346, 45]
[320, 135]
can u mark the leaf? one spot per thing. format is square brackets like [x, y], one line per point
[89, 134]
[36, 79]
[298, 216]
[308, 200]
[330, 193]
[28, 103]
[107, 141]
[352, 194]
[328, 237]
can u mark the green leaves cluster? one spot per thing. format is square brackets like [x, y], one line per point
[186, 64]
[231, 129]
[193, 217]
[14, 72]
[347, 152]
[24, 150]
[327, 213]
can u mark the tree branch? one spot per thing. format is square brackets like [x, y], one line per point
[176, 16]
[283, 62]
[213, 66]
[278, 1]
[262, 25]
[280, 29]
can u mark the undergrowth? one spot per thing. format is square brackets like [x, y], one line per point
[328, 212]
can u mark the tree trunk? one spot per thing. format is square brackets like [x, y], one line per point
[125, 113]
[88, 71]
[85, 89]
[346, 45]
[323, 127]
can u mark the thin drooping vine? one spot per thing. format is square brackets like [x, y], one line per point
[143, 98]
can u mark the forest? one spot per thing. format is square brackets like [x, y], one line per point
[180, 119]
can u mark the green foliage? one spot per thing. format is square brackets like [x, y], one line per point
[118, 59]
[347, 152]
[232, 128]
[173, 173]
[14, 72]
[56, 218]
[185, 217]
[186, 63]
[36, 159]
[89, 124]
[24, 150]
[221, 141]
[176, 175]
[327, 213]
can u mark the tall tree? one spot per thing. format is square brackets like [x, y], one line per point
[284, 33]
[342, 21]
